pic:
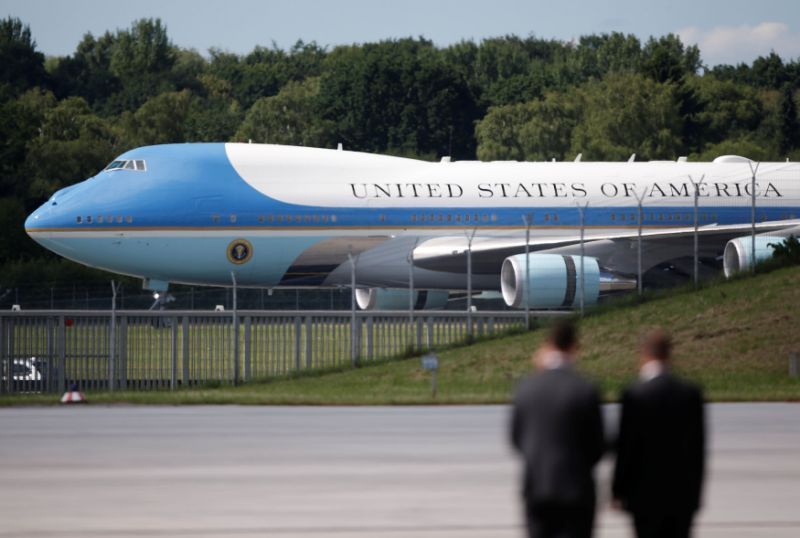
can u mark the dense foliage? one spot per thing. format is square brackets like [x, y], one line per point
[605, 96]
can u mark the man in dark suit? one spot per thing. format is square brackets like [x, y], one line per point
[661, 446]
[557, 427]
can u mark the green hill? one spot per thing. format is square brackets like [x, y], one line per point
[733, 338]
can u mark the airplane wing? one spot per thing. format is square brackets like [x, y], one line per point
[615, 250]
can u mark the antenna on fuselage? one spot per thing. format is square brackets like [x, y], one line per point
[632, 158]
[578, 158]
[339, 147]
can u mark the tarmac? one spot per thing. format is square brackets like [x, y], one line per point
[298, 472]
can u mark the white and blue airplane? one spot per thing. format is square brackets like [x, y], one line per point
[293, 216]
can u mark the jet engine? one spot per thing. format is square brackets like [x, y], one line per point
[554, 281]
[738, 252]
[397, 299]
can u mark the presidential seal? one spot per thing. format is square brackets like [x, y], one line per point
[240, 251]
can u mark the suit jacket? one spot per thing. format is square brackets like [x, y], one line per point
[661, 447]
[558, 428]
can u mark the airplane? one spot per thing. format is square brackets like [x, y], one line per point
[285, 216]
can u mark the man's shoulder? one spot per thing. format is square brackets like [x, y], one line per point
[561, 379]
[667, 383]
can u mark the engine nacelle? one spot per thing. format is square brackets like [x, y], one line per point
[554, 281]
[397, 299]
[738, 252]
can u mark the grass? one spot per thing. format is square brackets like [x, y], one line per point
[733, 338]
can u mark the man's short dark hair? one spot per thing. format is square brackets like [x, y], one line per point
[564, 334]
[657, 344]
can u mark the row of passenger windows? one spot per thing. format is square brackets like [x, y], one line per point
[100, 219]
[429, 217]
[281, 219]
[651, 217]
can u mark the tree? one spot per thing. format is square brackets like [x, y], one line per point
[87, 72]
[21, 66]
[534, 131]
[789, 130]
[287, 118]
[21, 120]
[666, 59]
[161, 120]
[142, 59]
[73, 144]
[729, 110]
[626, 113]
[397, 96]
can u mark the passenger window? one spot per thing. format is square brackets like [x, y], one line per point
[233, 219]
[333, 218]
[129, 219]
[119, 219]
[99, 219]
[215, 219]
[88, 219]
[79, 219]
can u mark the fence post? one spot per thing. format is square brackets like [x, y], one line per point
[112, 340]
[470, 237]
[753, 172]
[429, 323]
[3, 367]
[309, 344]
[185, 353]
[297, 350]
[122, 373]
[10, 355]
[639, 276]
[247, 331]
[50, 386]
[370, 349]
[62, 353]
[582, 215]
[527, 220]
[353, 345]
[173, 351]
[235, 331]
[794, 365]
[696, 254]
[411, 298]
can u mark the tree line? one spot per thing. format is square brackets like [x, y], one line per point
[62, 118]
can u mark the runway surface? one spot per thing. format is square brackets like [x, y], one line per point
[311, 472]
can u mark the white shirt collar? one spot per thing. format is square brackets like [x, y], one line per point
[651, 370]
[552, 360]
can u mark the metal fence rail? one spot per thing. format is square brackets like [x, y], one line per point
[47, 351]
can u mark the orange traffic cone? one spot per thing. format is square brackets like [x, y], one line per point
[73, 395]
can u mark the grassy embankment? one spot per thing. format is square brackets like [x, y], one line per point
[733, 338]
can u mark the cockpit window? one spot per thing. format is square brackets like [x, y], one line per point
[139, 165]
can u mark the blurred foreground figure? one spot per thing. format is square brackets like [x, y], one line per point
[557, 427]
[661, 448]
